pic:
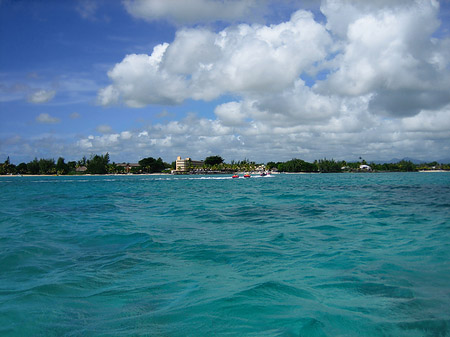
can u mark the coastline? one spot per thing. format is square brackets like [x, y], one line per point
[83, 175]
[433, 171]
[170, 174]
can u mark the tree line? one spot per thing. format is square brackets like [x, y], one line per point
[100, 164]
[217, 164]
[332, 166]
[321, 166]
[96, 164]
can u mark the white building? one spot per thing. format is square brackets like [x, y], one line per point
[184, 165]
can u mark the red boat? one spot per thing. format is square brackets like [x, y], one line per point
[235, 176]
[246, 175]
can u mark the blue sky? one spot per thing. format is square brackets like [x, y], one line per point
[264, 80]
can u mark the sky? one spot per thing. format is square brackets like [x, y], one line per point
[262, 80]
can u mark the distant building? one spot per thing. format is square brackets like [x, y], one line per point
[184, 165]
[365, 167]
[127, 166]
[81, 169]
[260, 168]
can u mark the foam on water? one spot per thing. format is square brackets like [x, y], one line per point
[293, 255]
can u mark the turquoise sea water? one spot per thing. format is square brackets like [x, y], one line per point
[287, 255]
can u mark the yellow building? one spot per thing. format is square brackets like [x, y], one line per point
[187, 164]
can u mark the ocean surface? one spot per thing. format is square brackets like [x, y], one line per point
[283, 255]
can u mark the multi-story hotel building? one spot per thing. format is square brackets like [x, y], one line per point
[184, 165]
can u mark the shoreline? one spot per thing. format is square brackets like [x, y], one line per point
[432, 171]
[84, 175]
[170, 174]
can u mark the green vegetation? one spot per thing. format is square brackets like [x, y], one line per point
[297, 165]
[96, 164]
[213, 160]
[152, 165]
[41, 166]
[100, 164]
[216, 164]
[401, 166]
[328, 166]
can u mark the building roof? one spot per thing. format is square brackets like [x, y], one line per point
[128, 165]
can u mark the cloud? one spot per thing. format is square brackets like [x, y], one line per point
[87, 9]
[387, 50]
[296, 105]
[202, 65]
[193, 11]
[370, 80]
[12, 91]
[75, 115]
[362, 83]
[108, 96]
[41, 96]
[376, 49]
[76, 87]
[231, 114]
[432, 122]
[104, 129]
[139, 80]
[126, 135]
[45, 118]
[352, 133]
[408, 102]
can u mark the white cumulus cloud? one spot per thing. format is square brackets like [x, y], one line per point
[41, 96]
[231, 113]
[203, 65]
[388, 50]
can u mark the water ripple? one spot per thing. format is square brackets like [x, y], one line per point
[294, 255]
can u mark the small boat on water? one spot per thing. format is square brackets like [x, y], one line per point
[247, 175]
[235, 176]
[263, 174]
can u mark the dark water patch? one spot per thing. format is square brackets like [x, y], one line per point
[26, 255]
[249, 213]
[311, 327]
[309, 211]
[288, 196]
[56, 289]
[423, 308]
[124, 263]
[377, 289]
[275, 290]
[117, 240]
[325, 256]
[326, 228]
[208, 254]
[281, 239]
[278, 238]
[428, 328]
[380, 214]
[372, 289]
